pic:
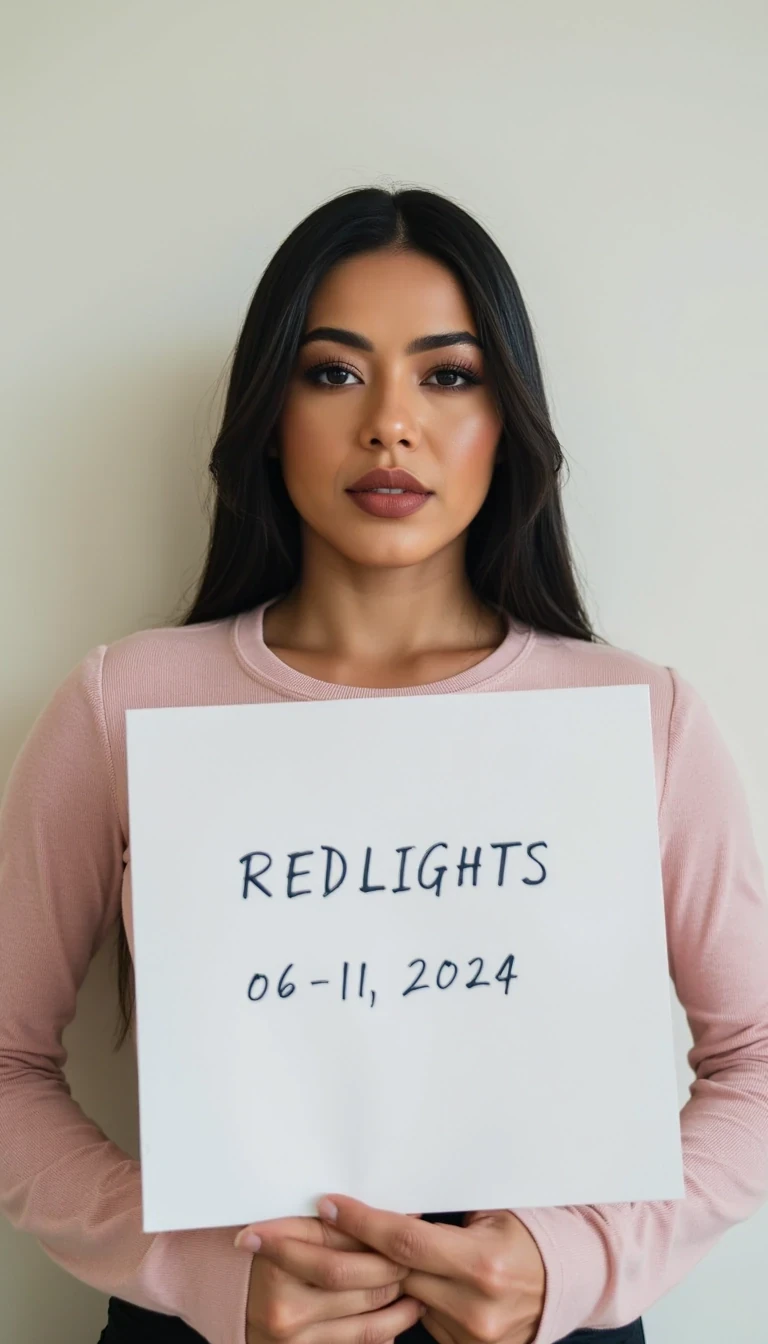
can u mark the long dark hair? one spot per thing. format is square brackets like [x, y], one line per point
[518, 556]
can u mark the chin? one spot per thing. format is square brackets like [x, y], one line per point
[390, 545]
[387, 557]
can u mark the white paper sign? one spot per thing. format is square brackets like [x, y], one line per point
[408, 948]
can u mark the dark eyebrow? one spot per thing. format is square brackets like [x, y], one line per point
[358, 342]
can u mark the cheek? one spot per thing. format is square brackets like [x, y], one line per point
[310, 445]
[469, 451]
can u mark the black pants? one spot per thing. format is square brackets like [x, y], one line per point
[127, 1324]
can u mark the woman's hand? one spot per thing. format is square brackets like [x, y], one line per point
[482, 1283]
[313, 1284]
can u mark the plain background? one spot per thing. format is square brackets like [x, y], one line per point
[154, 156]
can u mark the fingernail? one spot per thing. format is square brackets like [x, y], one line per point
[327, 1210]
[247, 1241]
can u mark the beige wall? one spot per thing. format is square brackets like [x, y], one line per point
[156, 152]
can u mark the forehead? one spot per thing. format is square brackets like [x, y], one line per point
[404, 292]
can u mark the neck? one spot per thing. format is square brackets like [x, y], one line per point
[377, 614]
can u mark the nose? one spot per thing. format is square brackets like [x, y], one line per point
[389, 420]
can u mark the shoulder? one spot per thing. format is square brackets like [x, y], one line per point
[685, 729]
[166, 665]
[560, 660]
[154, 668]
[158, 668]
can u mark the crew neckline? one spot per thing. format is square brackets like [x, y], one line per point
[255, 656]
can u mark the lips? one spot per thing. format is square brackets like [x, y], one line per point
[411, 493]
[383, 478]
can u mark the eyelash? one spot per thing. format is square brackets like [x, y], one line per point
[457, 366]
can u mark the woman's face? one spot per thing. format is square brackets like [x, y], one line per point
[351, 409]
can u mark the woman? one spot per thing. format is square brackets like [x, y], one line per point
[387, 522]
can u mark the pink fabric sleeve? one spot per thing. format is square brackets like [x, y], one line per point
[61, 1178]
[606, 1264]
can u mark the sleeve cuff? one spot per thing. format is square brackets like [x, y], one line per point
[575, 1267]
[203, 1278]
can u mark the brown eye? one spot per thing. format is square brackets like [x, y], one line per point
[333, 368]
[463, 371]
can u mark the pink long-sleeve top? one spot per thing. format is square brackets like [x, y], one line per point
[65, 874]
